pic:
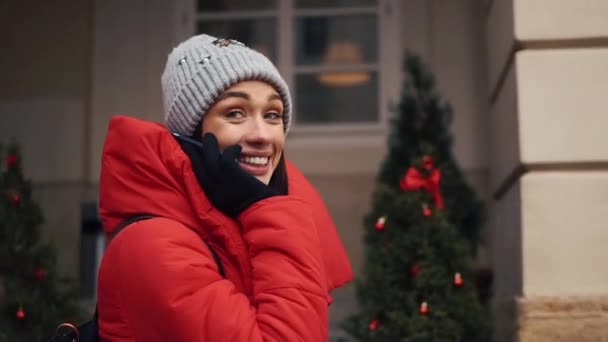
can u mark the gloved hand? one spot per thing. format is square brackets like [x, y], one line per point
[228, 187]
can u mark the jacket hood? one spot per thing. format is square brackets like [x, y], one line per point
[145, 171]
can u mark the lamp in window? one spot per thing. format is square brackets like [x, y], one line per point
[343, 53]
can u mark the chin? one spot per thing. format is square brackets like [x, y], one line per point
[264, 179]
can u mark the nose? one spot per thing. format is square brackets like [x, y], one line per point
[258, 132]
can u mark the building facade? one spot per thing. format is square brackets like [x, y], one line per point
[526, 79]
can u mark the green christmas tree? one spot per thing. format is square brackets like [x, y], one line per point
[34, 297]
[422, 232]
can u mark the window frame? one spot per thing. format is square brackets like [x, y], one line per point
[390, 52]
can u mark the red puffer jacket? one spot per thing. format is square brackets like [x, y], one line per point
[159, 282]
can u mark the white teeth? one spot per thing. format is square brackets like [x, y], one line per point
[255, 160]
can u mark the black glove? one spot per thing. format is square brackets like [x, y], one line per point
[228, 187]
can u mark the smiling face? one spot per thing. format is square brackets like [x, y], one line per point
[249, 114]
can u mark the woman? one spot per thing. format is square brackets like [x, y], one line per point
[215, 172]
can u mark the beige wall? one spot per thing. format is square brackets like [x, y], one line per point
[564, 221]
[547, 79]
[39, 35]
[132, 40]
[45, 64]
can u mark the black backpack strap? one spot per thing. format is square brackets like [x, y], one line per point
[122, 225]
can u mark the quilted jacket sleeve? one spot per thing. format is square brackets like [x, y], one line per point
[171, 290]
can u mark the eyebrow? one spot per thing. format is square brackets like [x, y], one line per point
[233, 94]
[274, 97]
[245, 96]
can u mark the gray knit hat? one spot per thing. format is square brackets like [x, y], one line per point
[199, 69]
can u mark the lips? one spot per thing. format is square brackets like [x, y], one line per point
[257, 161]
[255, 165]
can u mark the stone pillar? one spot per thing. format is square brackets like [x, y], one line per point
[548, 78]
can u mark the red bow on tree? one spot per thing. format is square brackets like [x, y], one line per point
[413, 180]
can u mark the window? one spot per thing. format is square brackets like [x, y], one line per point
[330, 52]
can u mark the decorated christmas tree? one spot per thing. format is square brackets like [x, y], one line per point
[34, 297]
[422, 233]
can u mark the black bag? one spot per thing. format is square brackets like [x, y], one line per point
[89, 331]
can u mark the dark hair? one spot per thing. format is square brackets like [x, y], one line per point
[278, 181]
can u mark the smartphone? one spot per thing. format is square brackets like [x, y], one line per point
[183, 138]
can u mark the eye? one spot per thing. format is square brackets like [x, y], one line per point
[235, 114]
[273, 116]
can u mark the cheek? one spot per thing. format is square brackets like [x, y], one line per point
[279, 150]
[279, 142]
[226, 135]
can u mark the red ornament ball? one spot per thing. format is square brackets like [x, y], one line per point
[40, 273]
[20, 314]
[374, 324]
[426, 211]
[15, 197]
[458, 281]
[415, 269]
[424, 308]
[11, 160]
[380, 223]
